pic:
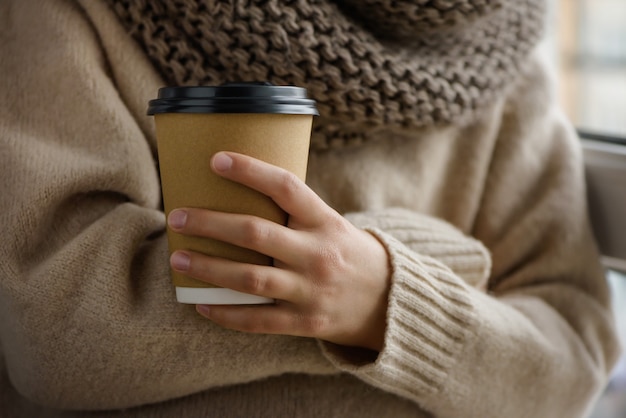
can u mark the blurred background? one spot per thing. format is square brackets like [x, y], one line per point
[587, 40]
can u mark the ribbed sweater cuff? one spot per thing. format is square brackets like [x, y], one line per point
[428, 316]
[465, 256]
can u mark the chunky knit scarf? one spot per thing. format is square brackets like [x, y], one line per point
[369, 63]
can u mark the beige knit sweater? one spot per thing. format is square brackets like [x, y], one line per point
[498, 305]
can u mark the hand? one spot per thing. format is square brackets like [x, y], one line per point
[330, 279]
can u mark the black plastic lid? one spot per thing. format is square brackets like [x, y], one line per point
[233, 98]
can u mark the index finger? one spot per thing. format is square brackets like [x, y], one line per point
[282, 186]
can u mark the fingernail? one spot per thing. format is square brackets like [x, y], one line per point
[222, 162]
[177, 218]
[180, 261]
[204, 310]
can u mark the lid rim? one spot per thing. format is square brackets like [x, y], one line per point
[160, 109]
[233, 98]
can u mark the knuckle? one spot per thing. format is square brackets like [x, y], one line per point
[326, 261]
[253, 281]
[331, 255]
[289, 184]
[254, 231]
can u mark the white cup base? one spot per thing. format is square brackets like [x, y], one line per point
[218, 296]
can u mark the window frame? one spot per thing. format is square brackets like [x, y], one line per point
[605, 172]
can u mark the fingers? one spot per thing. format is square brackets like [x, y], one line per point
[247, 278]
[258, 234]
[282, 186]
[265, 319]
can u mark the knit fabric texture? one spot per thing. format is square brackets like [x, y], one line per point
[497, 307]
[368, 63]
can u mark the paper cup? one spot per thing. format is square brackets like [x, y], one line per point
[271, 123]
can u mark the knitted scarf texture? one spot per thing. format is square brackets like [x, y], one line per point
[369, 64]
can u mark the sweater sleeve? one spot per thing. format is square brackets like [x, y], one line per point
[540, 341]
[465, 256]
[88, 318]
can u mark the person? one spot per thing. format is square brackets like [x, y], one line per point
[437, 262]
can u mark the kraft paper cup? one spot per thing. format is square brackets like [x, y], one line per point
[271, 123]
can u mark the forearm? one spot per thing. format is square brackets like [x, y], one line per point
[100, 308]
[526, 357]
[88, 312]
[539, 340]
[432, 237]
[444, 337]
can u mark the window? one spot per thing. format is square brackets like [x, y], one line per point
[587, 39]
